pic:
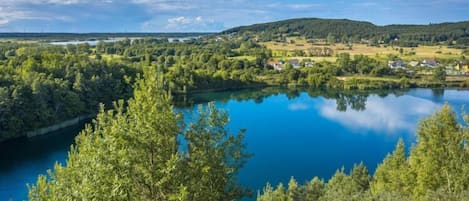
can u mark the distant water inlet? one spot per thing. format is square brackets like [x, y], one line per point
[95, 42]
[301, 133]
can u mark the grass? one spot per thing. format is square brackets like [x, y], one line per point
[358, 77]
[282, 50]
[249, 58]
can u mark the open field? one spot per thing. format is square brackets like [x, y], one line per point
[250, 58]
[438, 52]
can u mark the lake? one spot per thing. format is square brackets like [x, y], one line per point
[111, 40]
[301, 133]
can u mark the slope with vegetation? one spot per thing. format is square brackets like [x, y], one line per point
[355, 31]
[134, 152]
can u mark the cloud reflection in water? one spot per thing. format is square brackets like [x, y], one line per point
[389, 114]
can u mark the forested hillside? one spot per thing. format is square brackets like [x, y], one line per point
[354, 31]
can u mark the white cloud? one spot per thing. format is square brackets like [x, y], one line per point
[179, 20]
[62, 2]
[367, 4]
[167, 5]
[183, 23]
[13, 10]
[294, 6]
[302, 6]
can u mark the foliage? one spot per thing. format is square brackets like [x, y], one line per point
[358, 31]
[436, 169]
[134, 152]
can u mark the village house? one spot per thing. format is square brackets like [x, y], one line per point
[309, 64]
[431, 63]
[396, 64]
[414, 63]
[276, 65]
[462, 66]
[295, 63]
[451, 70]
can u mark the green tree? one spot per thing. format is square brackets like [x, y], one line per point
[439, 159]
[330, 39]
[314, 189]
[294, 192]
[133, 153]
[213, 158]
[393, 174]
[439, 74]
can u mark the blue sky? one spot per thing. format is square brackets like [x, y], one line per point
[211, 15]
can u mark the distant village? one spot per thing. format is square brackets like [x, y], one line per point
[457, 68]
[294, 63]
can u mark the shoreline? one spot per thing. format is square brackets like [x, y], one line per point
[74, 121]
[52, 128]
[64, 124]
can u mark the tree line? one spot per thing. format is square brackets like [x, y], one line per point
[41, 85]
[350, 31]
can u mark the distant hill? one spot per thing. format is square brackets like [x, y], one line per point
[344, 29]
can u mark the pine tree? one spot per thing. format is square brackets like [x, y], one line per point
[293, 192]
[393, 174]
[314, 189]
[280, 193]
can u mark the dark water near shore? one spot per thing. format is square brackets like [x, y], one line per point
[300, 133]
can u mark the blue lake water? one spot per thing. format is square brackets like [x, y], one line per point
[298, 133]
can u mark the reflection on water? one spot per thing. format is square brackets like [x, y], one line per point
[387, 115]
[304, 132]
[291, 132]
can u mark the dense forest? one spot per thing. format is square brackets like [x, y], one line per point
[344, 30]
[435, 169]
[42, 84]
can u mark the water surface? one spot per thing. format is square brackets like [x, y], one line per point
[300, 133]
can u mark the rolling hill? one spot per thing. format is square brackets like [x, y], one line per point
[344, 29]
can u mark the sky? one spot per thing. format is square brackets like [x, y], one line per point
[84, 16]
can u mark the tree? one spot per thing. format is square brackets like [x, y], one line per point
[280, 193]
[439, 74]
[360, 177]
[314, 189]
[330, 39]
[133, 153]
[393, 174]
[439, 159]
[213, 158]
[294, 193]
